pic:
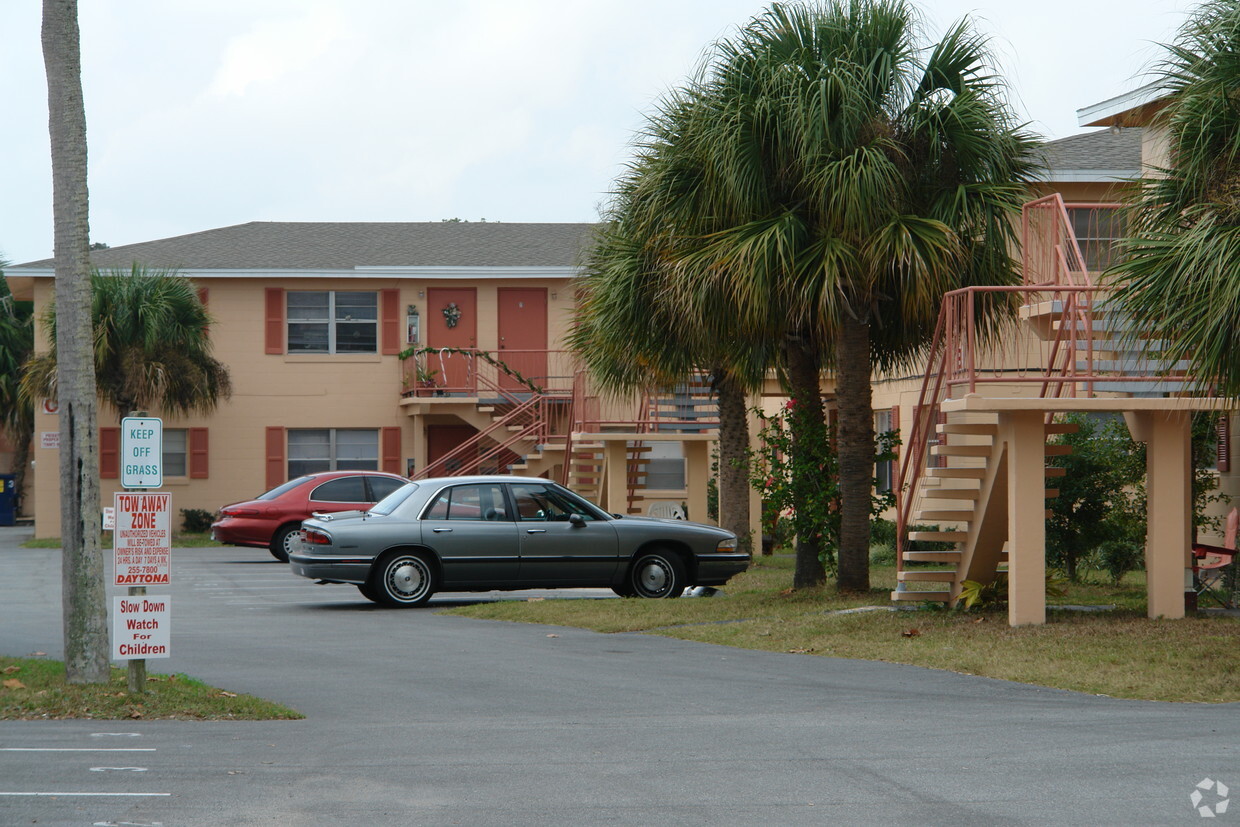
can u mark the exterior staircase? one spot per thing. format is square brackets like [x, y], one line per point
[965, 503]
[952, 488]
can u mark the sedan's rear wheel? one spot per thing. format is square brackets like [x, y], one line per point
[403, 579]
[284, 541]
[658, 574]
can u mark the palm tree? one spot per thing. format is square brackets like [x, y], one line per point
[16, 410]
[629, 340]
[151, 346]
[1179, 276]
[84, 595]
[867, 176]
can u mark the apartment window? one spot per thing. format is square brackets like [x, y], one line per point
[1098, 231]
[176, 452]
[333, 321]
[883, 423]
[666, 469]
[311, 450]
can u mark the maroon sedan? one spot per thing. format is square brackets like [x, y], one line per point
[272, 520]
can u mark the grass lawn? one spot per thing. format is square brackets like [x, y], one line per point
[35, 689]
[197, 540]
[1118, 652]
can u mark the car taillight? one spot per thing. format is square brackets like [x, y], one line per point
[229, 511]
[318, 538]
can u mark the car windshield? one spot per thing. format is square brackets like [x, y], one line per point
[280, 489]
[392, 501]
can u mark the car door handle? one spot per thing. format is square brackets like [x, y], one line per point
[536, 531]
[440, 530]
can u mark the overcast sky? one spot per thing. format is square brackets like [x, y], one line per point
[207, 113]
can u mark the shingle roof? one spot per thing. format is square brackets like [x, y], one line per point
[282, 245]
[1102, 149]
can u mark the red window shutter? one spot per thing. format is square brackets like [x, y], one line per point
[275, 320]
[276, 472]
[109, 453]
[391, 450]
[1224, 443]
[198, 456]
[391, 321]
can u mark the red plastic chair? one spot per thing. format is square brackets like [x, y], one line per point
[1210, 564]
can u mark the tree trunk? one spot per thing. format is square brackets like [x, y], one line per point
[855, 450]
[734, 462]
[809, 440]
[84, 593]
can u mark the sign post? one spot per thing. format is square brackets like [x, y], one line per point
[142, 543]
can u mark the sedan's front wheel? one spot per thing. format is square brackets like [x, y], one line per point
[403, 580]
[658, 574]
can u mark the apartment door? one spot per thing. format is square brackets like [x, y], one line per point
[523, 335]
[452, 322]
[442, 440]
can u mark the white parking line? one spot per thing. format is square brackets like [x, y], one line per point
[77, 749]
[109, 795]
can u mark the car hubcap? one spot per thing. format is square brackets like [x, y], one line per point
[654, 578]
[406, 579]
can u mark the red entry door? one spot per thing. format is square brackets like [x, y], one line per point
[452, 322]
[523, 335]
[444, 439]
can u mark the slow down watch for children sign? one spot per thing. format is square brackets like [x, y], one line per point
[142, 452]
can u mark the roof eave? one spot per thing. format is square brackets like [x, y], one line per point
[1129, 109]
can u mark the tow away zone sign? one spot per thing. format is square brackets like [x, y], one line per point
[142, 539]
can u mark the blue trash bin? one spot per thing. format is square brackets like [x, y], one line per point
[8, 499]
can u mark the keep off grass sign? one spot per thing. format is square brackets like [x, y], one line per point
[141, 627]
[142, 452]
[142, 539]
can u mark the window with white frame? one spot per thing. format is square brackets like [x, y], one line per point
[333, 321]
[665, 470]
[176, 452]
[883, 471]
[311, 450]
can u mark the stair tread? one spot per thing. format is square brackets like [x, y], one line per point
[957, 473]
[961, 450]
[921, 595]
[974, 428]
[929, 576]
[952, 493]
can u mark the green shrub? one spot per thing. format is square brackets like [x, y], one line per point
[196, 520]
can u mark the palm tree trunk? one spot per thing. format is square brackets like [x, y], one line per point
[733, 461]
[809, 441]
[855, 450]
[84, 594]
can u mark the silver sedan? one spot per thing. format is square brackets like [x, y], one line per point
[494, 532]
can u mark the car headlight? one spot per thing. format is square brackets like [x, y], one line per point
[726, 545]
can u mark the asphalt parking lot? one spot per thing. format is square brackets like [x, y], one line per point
[416, 717]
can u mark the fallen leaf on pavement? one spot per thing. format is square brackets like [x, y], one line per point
[911, 632]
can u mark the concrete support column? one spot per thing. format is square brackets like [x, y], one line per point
[1025, 436]
[697, 474]
[1169, 506]
[616, 480]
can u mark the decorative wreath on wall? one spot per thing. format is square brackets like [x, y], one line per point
[452, 314]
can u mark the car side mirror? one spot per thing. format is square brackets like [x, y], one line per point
[577, 519]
